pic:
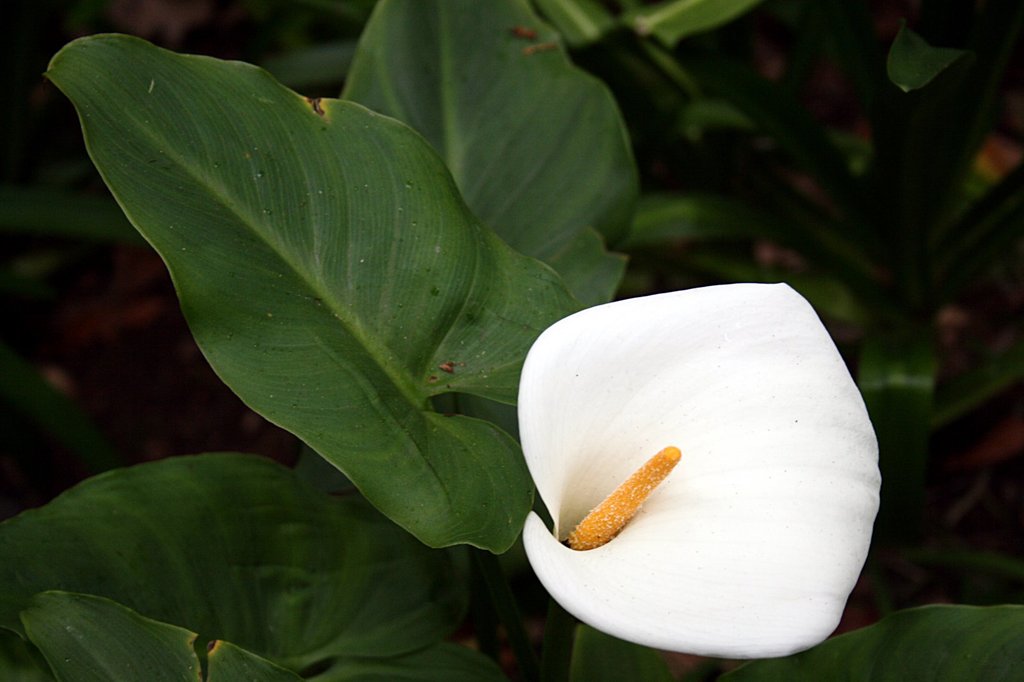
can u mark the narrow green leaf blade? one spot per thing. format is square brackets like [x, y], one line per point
[25, 391]
[780, 115]
[968, 391]
[598, 657]
[851, 39]
[674, 20]
[91, 639]
[913, 63]
[316, 66]
[235, 547]
[985, 234]
[826, 293]
[663, 217]
[897, 379]
[537, 146]
[329, 271]
[581, 22]
[936, 643]
[59, 213]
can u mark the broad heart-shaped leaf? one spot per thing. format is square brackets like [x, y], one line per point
[537, 147]
[329, 271]
[935, 643]
[235, 547]
[86, 638]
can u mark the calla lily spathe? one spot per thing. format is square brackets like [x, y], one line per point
[751, 546]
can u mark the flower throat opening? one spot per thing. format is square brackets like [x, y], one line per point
[607, 519]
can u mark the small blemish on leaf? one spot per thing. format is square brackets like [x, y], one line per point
[447, 367]
[524, 33]
[315, 103]
[539, 47]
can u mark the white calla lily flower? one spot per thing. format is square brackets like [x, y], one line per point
[751, 545]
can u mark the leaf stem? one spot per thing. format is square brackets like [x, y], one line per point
[559, 635]
[508, 613]
[485, 620]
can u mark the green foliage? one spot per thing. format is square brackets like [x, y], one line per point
[598, 657]
[329, 271]
[890, 229]
[536, 146]
[940, 643]
[673, 20]
[913, 63]
[369, 272]
[438, 663]
[580, 22]
[234, 547]
[897, 379]
[51, 212]
[28, 393]
[91, 639]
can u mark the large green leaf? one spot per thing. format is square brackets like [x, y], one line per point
[934, 643]
[235, 547]
[91, 639]
[536, 146]
[597, 657]
[85, 638]
[329, 271]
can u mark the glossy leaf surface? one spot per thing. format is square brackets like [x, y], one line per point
[234, 547]
[91, 639]
[329, 271]
[86, 638]
[938, 643]
[536, 146]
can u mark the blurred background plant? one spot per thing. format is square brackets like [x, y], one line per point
[869, 154]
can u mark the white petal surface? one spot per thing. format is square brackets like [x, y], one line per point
[751, 546]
